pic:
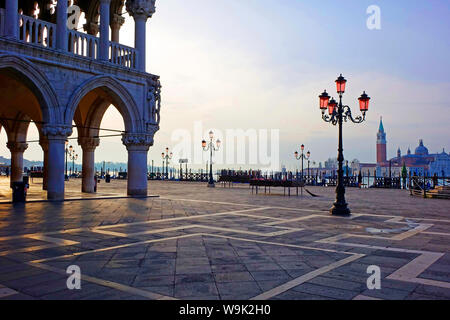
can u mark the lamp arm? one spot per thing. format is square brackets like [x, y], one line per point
[348, 114]
[333, 119]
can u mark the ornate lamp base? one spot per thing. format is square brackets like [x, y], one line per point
[340, 210]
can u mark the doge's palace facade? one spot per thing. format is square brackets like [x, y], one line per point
[54, 76]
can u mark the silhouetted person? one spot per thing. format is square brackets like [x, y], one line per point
[435, 181]
[95, 183]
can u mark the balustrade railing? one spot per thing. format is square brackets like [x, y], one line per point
[83, 44]
[38, 32]
[42, 33]
[123, 55]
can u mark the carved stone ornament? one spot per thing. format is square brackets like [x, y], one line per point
[17, 146]
[154, 100]
[62, 131]
[145, 8]
[117, 20]
[137, 139]
[88, 144]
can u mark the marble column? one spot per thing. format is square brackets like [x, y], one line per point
[88, 145]
[44, 145]
[141, 10]
[62, 38]
[116, 23]
[137, 146]
[17, 149]
[12, 18]
[104, 29]
[56, 135]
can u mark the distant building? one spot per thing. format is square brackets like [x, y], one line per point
[331, 164]
[421, 162]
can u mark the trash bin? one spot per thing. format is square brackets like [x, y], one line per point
[19, 192]
[107, 178]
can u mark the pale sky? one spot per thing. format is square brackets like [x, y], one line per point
[260, 64]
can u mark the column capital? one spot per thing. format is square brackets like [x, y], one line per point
[88, 143]
[141, 8]
[17, 146]
[117, 20]
[56, 131]
[138, 141]
[91, 28]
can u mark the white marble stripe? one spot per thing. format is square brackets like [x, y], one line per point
[115, 247]
[179, 218]
[278, 244]
[416, 266]
[306, 277]
[109, 284]
[6, 292]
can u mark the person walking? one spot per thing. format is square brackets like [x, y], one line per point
[95, 183]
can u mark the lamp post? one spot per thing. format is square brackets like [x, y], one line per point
[66, 177]
[72, 157]
[302, 156]
[166, 156]
[337, 114]
[211, 148]
[309, 175]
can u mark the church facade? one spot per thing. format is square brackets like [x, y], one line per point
[420, 162]
[54, 76]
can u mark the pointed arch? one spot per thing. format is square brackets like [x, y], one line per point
[24, 71]
[120, 97]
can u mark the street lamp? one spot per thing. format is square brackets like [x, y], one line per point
[72, 157]
[166, 156]
[66, 177]
[302, 156]
[337, 114]
[211, 148]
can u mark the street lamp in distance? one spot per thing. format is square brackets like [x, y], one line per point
[209, 146]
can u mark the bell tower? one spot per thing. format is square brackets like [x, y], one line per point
[381, 144]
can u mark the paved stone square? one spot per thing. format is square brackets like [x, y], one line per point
[194, 242]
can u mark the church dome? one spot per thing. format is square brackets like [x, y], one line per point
[421, 150]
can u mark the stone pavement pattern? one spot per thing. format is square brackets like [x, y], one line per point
[200, 243]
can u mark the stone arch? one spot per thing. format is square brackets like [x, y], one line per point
[36, 81]
[18, 130]
[120, 98]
